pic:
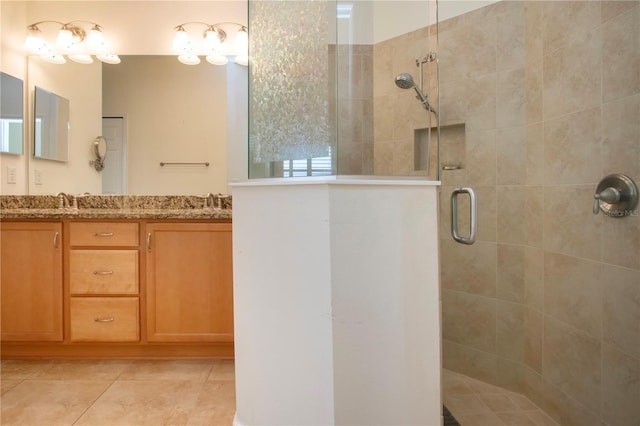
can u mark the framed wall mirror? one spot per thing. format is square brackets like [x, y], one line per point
[11, 115]
[51, 126]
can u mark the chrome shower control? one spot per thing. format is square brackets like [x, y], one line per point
[616, 195]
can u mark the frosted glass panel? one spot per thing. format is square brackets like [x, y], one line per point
[289, 82]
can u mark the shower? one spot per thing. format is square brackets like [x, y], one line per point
[405, 81]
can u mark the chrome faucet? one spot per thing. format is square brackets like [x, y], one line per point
[64, 200]
[210, 200]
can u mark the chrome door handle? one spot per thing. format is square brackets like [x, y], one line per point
[472, 215]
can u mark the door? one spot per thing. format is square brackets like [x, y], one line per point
[31, 281]
[114, 175]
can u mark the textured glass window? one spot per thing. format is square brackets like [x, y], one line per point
[289, 87]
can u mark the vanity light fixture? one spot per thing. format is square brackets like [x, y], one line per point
[73, 41]
[214, 45]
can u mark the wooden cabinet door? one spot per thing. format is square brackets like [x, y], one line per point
[189, 282]
[31, 281]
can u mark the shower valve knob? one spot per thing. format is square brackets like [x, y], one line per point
[616, 195]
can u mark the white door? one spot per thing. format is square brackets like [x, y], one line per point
[114, 175]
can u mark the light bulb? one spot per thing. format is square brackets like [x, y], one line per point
[217, 59]
[108, 58]
[95, 40]
[242, 41]
[64, 42]
[211, 41]
[181, 41]
[81, 59]
[189, 59]
[34, 42]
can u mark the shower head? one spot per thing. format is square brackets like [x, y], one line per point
[405, 81]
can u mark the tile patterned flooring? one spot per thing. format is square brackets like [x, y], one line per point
[192, 393]
[475, 403]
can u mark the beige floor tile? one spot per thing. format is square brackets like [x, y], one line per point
[479, 419]
[144, 402]
[82, 370]
[21, 369]
[7, 384]
[540, 418]
[216, 404]
[458, 404]
[498, 402]
[515, 418]
[194, 370]
[483, 388]
[454, 387]
[223, 369]
[49, 402]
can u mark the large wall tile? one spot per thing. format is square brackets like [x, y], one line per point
[471, 101]
[511, 273]
[572, 361]
[621, 56]
[572, 148]
[511, 155]
[512, 225]
[471, 362]
[469, 320]
[511, 98]
[621, 309]
[573, 292]
[534, 277]
[532, 351]
[535, 154]
[510, 39]
[510, 331]
[613, 8]
[510, 375]
[620, 387]
[534, 204]
[621, 240]
[570, 227]
[469, 268]
[621, 137]
[573, 74]
[582, 16]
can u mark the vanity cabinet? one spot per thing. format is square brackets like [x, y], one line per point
[189, 282]
[31, 281]
[104, 282]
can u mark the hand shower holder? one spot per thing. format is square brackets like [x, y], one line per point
[616, 195]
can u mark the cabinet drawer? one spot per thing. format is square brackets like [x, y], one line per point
[103, 271]
[103, 234]
[104, 319]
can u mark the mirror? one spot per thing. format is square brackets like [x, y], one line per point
[51, 126]
[11, 114]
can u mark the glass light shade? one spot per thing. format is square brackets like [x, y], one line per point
[189, 59]
[108, 58]
[181, 41]
[53, 58]
[81, 59]
[34, 43]
[217, 59]
[95, 40]
[211, 41]
[242, 42]
[242, 60]
[64, 42]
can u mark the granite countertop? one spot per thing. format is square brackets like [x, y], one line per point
[115, 207]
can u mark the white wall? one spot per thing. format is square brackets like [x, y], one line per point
[174, 113]
[13, 62]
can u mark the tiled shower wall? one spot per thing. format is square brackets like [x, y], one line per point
[547, 301]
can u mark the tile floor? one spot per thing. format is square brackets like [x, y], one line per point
[475, 403]
[192, 393]
[163, 392]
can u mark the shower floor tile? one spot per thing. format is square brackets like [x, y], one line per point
[475, 403]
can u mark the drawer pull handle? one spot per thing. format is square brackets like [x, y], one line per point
[110, 319]
[104, 234]
[55, 240]
[102, 272]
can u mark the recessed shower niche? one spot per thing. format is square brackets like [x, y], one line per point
[452, 147]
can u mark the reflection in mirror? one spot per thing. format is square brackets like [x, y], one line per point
[51, 126]
[11, 114]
